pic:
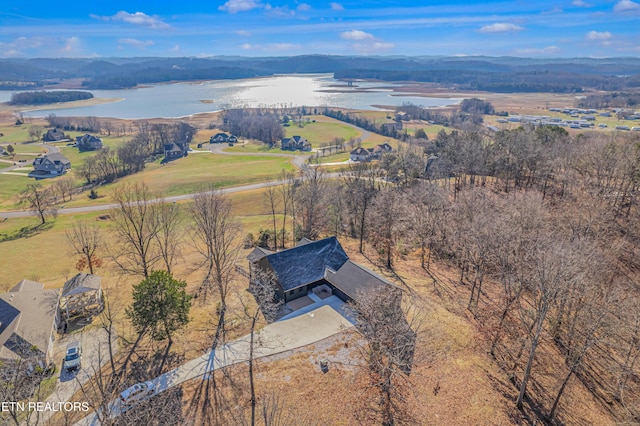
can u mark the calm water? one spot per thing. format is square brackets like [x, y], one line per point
[182, 99]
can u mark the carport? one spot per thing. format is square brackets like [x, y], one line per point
[81, 296]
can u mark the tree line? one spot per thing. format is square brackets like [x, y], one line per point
[42, 97]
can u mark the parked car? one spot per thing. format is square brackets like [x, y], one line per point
[73, 357]
[136, 393]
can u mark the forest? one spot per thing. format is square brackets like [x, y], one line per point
[46, 97]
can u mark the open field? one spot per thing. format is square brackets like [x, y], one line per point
[324, 130]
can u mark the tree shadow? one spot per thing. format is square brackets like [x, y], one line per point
[26, 232]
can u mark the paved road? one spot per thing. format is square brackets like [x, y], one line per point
[275, 338]
[104, 207]
[50, 150]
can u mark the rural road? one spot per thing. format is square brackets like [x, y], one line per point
[275, 338]
[103, 207]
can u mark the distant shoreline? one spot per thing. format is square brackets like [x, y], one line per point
[58, 105]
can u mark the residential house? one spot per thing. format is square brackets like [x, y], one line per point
[175, 150]
[313, 264]
[29, 316]
[295, 143]
[223, 138]
[359, 154]
[54, 135]
[51, 165]
[379, 150]
[89, 143]
[375, 153]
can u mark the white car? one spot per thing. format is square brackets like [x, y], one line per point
[73, 357]
[136, 393]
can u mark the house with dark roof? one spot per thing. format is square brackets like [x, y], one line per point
[89, 143]
[29, 316]
[51, 165]
[359, 154]
[54, 135]
[81, 295]
[314, 264]
[175, 150]
[295, 143]
[223, 138]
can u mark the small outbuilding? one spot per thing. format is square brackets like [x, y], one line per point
[81, 296]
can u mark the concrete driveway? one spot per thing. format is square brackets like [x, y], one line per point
[275, 338]
[68, 383]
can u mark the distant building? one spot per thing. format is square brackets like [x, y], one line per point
[175, 150]
[51, 165]
[54, 135]
[359, 154]
[89, 143]
[223, 138]
[295, 143]
[375, 153]
[29, 316]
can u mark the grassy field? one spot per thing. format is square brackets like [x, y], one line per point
[324, 130]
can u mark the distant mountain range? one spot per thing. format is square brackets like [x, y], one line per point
[501, 74]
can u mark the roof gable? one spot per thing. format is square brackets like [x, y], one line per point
[81, 283]
[353, 279]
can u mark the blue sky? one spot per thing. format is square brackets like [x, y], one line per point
[105, 28]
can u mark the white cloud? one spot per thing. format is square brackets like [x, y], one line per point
[598, 36]
[580, 3]
[336, 6]
[273, 47]
[627, 6]
[500, 27]
[70, 46]
[137, 18]
[356, 35]
[175, 48]
[303, 7]
[539, 51]
[243, 33]
[235, 6]
[138, 44]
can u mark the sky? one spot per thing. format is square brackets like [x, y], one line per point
[207, 28]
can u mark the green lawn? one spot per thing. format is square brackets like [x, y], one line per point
[195, 172]
[322, 131]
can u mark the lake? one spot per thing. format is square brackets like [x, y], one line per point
[187, 98]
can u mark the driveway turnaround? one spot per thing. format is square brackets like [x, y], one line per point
[275, 338]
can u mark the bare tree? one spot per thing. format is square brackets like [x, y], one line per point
[310, 201]
[136, 224]
[287, 191]
[215, 235]
[271, 201]
[86, 240]
[39, 200]
[554, 265]
[388, 356]
[35, 132]
[262, 288]
[360, 185]
[168, 238]
[64, 187]
[387, 223]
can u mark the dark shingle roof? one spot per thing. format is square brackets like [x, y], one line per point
[56, 156]
[305, 264]
[352, 279]
[81, 283]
